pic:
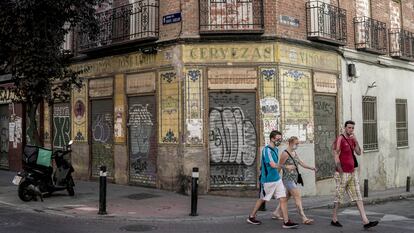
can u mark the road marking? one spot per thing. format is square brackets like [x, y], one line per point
[356, 212]
[392, 217]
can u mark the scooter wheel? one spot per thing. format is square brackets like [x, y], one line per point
[71, 191]
[25, 194]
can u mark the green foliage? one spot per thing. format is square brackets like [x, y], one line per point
[31, 36]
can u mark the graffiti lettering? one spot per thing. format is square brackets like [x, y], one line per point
[232, 137]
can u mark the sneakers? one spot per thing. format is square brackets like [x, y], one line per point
[289, 224]
[253, 220]
[370, 224]
[336, 224]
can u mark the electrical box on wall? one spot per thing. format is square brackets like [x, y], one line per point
[351, 70]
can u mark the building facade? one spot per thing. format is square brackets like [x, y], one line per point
[172, 85]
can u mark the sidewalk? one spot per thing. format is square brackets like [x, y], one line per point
[137, 203]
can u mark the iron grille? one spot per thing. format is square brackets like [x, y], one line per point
[227, 16]
[401, 123]
[402, 44]
[370, 35]
[135, 21]
[325, 22]
[370, 132]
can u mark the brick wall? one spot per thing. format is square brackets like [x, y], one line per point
[296, 10]
[408, 14]
[287, 19]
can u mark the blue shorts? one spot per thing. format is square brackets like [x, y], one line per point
[289, 185]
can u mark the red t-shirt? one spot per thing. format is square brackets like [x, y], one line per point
[345, 157]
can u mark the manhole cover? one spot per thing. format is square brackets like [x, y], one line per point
[140, 196]
[138, 228]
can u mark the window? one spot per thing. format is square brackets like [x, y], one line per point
[369, 113]
[402, 124]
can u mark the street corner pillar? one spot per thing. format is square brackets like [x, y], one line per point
[80, 149]
[194, 153]
[120, 149]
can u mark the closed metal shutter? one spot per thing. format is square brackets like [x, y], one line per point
[325, 134]
[232, 139]
[142, 126]
[102, 136]
[4, 136]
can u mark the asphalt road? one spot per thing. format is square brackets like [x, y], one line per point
[394, 217]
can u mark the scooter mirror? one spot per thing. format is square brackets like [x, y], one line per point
[70, 142]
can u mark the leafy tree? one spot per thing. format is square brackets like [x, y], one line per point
[31, 36]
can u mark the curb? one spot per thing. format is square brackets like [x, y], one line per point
[115, 217]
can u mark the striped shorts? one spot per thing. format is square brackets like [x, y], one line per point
[349, 183]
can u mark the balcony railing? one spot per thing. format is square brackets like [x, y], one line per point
[325, 22]
[402, 44]
[133, 22]
[370, 35]
[231, 16]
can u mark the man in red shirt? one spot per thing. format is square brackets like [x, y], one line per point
[346, 178]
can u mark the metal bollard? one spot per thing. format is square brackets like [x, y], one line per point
[102, 190]
[365, 188]
[408, 184]
[194, 191]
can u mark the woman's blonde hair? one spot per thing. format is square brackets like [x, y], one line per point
[292, 139]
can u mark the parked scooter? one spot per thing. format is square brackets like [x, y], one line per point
[38, 178]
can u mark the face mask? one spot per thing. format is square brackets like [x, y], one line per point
[277, 143]
[294, 147]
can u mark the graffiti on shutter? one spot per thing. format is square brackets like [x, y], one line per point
[61, 125]
[102, 136]
[142, 140]
[232, 139]
[325, 133]
[4, 136]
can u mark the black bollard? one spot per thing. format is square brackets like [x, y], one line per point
[408, 184]
[365, 188]
[194, 191]
[102, 191]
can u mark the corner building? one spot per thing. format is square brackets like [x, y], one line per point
[172, 85]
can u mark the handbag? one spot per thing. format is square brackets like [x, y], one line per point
[353, 155]
[300, 179]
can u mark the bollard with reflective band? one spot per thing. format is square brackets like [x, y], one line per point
[408, 184]
[102, 191]
[365, 188]
[194, 191]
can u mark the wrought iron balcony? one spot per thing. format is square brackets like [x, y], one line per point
[326, 23]
[129, 23]
[402, 44]
[231, 16]
[370, 35]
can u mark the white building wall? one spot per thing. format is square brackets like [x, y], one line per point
[389, 166]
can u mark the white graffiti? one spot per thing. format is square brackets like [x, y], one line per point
[141, 123]
[101, 131]
[232, 136]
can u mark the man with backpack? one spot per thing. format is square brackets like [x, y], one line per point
[346, 177]
[271, 184]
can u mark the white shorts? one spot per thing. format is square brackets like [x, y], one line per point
[276, 189]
